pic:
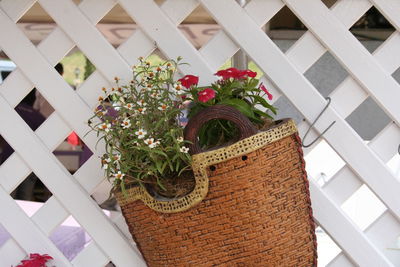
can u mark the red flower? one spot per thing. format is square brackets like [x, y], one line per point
[251, 74]
[189, 80]
[229, 73]
[35, 260]
[235, 74]
[206, 95]
[262, 87]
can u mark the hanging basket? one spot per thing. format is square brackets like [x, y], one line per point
[250, 205]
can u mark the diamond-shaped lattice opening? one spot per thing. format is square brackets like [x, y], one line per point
[70, 238]
[72, 152]
[326, 74]
[326, 247]
[372, 29]
[77, 68]
[36, 23]
[329, 3]
[368, 119]
[101, 195]
[7, 66]
[30, 111]
[396, 75]
[285, 28]
[31, 189]
[110, 264]
[117, 26]
[4, 235]
[323, 163]
[199, 27]
[363, 207]
[5, 150]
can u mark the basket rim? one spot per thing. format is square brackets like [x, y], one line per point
[200, 162]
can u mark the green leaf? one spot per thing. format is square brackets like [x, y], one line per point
[264, 103]
[242, 106]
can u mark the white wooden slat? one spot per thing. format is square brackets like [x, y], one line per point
[60, 182]
[384, 233]
[90, 256]
[262, 11]
[16, 8]
[340, 187]
[177, 15]
[166, 35]
[350, 52]
[386, 143]
[341, 136]
[11, 253]
[345, 233]
[50, 215]
[95, 9]
[340, 261]
[12, 172]
[15, 87]
[28, 235]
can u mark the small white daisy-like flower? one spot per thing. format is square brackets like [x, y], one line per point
[163, 107]
[105, 162]
[105, 126]
[141, 110]
[129, 106]
[179, 139]
[141, 133]
[159, 68]
[126, 123]
[184, 149]
[155, 95]
[150, 142]
[142, 103]
[119, 175]
[178, 88]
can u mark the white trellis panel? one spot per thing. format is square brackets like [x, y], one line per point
[369, 76]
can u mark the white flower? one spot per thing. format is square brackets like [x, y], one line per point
[129, 106]
[179, 139]
[126, 123]
[159, 68]
[119, 175]
[141, 110]
[105, 162]
[184, 149]
[142, 103]
[105, 127]
[178, 88]
[141, 133]
[163, 107]
[155, 95]
[150, 142]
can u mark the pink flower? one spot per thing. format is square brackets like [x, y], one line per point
[206, 94]
[262, 87]
[189, 80]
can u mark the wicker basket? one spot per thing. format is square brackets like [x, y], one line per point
[250, 207]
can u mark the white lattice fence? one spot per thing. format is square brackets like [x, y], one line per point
[370, 75]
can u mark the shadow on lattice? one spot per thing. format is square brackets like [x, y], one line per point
[28, 23]
[396, 75]
[363, 207]
[368, 119]
[72, 152]
[323, 163]
[372, 29]
[31, 189]
[117, 26]
[326, 247]
[326, 74]
[199, 27]
[70, 238]
[285, 29]
[4, 235]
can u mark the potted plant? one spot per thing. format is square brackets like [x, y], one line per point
[228, 189]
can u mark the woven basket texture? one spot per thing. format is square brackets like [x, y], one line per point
[257, 213]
